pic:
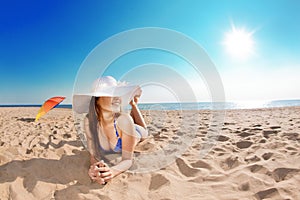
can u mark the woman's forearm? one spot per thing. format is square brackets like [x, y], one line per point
[137, 116]
[120, 167]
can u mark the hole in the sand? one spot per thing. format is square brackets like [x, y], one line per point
[257, 125]
[26, 119]
[257, 129]
[263, 141]
[257, 168]
[267, 156]
[158, 181]
[254, 158]
[223, 138]
[291, 136]
[201, 164]
[219, 149]
[281, 174]
[244, 144]
[245, 134]
[185, 169]
[244, 186]
[230, 163]
[275, 127]
[267, 133]
[29, 151]
[269, 193]
[67, 135]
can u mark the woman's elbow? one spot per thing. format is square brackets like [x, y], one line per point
[123, 166]
[128, 163]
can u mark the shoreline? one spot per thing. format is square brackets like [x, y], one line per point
[227, 105]
[226, 109]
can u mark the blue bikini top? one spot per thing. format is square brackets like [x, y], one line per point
[118, 147]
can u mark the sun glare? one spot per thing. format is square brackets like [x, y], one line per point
[239, 43]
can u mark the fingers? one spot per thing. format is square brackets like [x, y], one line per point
[101, 178]
[104, 164]
[101, 181]
[93, 176]
[98, 177]
[103, 169]
[100, 164]
[93, 173]
[100, 172]
[137, 92]
[107, 176]
[99, 167]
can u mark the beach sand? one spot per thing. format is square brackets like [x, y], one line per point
[255, 156]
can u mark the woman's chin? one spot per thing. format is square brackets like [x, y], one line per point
[116, 107]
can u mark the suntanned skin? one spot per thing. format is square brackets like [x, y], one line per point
[126, 129]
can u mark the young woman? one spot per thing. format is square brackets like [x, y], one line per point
[109, 130]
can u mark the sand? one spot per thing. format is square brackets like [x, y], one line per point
[255, 156]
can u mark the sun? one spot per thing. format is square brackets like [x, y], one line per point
[239, 43]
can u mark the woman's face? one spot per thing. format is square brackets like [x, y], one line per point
[109, 103]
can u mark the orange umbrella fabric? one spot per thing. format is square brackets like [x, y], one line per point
[48, 105]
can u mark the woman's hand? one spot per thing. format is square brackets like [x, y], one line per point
[100, 172]
[94, 173]
[106, 173]
[136, 97]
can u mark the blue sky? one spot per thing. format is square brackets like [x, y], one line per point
[43, 43]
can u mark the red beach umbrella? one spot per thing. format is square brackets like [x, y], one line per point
[48, 105]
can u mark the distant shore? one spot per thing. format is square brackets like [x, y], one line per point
[198, 105]
[33, 106]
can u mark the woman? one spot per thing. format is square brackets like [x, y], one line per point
[108, 129]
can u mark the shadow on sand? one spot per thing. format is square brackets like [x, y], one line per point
[52, 171]
[26, 119]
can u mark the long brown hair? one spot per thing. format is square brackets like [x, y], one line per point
[93, 133]
[98, 110]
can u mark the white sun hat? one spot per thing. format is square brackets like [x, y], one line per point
[105, 86]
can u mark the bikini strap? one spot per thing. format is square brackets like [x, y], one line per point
[116, 128]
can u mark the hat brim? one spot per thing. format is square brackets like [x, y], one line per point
[81, 101]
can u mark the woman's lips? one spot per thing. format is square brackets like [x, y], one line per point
[116, 102]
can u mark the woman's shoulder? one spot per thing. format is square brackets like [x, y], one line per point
[124, 119]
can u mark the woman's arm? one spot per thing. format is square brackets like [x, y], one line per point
[137, 115]
[128, 144]
[135, 111]
[120, 168]
[129, 140]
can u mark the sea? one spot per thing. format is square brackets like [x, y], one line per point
[198, 105]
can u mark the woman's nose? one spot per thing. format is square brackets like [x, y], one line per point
[116, 99]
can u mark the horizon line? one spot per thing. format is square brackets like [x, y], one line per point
[231, 101]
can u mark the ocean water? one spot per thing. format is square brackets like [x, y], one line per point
[200, 105]
[220, 105]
